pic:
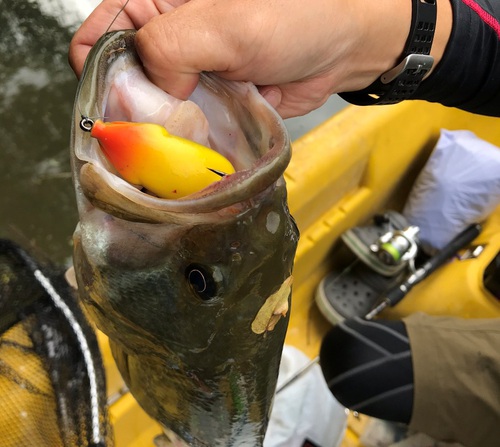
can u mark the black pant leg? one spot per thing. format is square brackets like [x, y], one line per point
[368, 368]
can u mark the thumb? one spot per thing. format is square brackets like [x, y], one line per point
[176, 46]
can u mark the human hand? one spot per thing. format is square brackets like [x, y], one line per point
[297, 53]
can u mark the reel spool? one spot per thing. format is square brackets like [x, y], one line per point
[396, 247]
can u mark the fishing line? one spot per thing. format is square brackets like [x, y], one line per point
[118, 13]
[87, 122]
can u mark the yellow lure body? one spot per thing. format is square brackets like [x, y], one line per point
[167, 165]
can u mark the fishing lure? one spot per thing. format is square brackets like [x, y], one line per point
[148, 155]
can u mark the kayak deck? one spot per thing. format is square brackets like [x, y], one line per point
[360, 161]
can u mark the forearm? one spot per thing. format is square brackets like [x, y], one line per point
[468, 75]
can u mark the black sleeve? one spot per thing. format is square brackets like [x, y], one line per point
[468, 75]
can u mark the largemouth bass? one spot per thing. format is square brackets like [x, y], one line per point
[193, 293]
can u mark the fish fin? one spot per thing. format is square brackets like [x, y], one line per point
[162, 441]
[70, 277]
[169, 439]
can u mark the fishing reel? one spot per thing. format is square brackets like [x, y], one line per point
[397, 247]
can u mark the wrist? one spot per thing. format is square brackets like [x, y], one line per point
[416, 60]
[382, 30]
[381, 33]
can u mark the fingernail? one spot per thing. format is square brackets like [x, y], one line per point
[272, 95]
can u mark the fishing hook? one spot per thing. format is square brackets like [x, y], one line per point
[216, 171]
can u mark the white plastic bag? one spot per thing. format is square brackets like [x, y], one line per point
[306, 409]
[459, 185]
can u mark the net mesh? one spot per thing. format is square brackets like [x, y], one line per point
[52, 384]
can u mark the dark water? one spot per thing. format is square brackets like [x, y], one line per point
[37, 87]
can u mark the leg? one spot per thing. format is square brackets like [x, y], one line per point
[456, 363]
[368, 367]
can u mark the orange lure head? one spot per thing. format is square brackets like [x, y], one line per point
[169, 166]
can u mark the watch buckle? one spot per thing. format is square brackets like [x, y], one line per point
[416, 62]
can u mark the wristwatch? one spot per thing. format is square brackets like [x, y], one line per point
[402, 81]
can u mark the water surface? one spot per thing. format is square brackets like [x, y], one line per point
[37, 206]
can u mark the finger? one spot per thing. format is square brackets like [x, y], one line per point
[272, 94]
[300, 98]
[93, 28]
[175, 47]
[113, 15]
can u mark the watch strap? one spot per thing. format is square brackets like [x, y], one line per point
[402, 81]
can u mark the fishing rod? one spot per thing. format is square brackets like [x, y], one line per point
[397, 293]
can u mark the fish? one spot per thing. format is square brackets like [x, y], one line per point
[193, 292]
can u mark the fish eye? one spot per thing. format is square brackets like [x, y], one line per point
[201, 281]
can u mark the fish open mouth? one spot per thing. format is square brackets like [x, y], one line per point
[229, 117]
